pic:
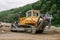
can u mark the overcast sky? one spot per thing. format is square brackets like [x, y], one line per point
[8, 4]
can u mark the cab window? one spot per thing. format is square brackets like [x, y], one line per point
[28, 14]
[35, 14]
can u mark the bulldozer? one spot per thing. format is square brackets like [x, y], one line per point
[33, 22]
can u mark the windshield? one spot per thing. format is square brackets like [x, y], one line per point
[28, 14]
[35, 14]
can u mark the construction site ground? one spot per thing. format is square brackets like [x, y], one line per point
[49, 34]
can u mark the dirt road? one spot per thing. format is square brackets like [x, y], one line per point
[28, 36]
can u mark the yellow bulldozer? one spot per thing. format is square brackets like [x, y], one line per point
[33, 22]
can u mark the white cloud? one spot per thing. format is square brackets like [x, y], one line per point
[8, 4]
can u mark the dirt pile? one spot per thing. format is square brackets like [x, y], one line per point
[5, 24]
[52, 30]
[4, 27]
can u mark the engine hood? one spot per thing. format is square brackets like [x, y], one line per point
[31, 20]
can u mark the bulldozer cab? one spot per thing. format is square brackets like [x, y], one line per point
[33, 13]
